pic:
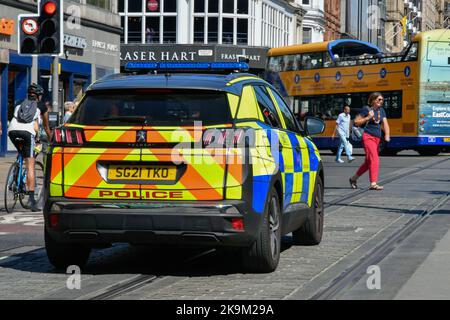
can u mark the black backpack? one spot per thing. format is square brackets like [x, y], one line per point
[27, 111]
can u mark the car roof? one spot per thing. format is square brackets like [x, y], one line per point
[229, 83]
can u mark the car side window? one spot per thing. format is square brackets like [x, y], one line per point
[267, 107]
[287, 114]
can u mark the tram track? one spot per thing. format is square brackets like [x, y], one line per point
[357, 271]
[140, 281]
[395, 177]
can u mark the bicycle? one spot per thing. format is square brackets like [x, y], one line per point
[16, 181]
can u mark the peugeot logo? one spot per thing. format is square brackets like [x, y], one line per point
[141, 136]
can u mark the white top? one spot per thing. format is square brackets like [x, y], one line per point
[343, 123]
[18, 126]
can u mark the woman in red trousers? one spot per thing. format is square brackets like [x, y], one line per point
[371, 118]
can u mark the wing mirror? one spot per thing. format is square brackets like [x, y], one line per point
[314, 126]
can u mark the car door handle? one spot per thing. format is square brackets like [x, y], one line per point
[298, 149]
[280, 147]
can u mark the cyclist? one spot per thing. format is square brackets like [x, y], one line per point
[22, 131]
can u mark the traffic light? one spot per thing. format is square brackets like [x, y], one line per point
[42, 33]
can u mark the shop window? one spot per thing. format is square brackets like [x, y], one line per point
[104, 4]
[242, 31]
[242, 6]
[135, 6]
[212, 29]
[199, 6]
[170, 29]
[121, 5]
[227, 31]
[213, 6]
[228, 6]
[199, 29]
[152, 30]
[170, 5]
[134, 29]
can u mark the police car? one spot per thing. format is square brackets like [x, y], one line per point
[162, 157]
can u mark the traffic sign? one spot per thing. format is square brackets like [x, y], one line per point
[30, 26]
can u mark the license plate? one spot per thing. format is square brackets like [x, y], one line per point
[446, 139]
[142, 172]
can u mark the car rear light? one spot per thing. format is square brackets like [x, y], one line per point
[68, 136]
[54, 220]
[223, 138]
[237, 224]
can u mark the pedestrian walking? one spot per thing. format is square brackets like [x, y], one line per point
[342, 128]
[373, 119]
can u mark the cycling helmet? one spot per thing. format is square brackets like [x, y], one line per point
[35, 89]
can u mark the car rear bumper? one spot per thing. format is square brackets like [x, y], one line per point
[179, 223]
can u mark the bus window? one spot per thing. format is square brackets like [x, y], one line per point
[289, 63]
[312, 60]
[328, 61]
[275, 64]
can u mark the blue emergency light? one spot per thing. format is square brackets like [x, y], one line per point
[186, 66]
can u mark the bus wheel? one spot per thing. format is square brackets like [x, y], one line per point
[428, 152]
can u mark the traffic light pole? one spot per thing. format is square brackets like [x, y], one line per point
[55, 86]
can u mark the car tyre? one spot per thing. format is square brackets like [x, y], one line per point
[62, 255]
[310, 233]
[263, 256]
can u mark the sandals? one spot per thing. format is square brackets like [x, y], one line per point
[376, 187]
[353, 184]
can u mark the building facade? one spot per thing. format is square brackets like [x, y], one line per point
[206, 30]
[314, 24]
[333, 20]
[364, 20]
[395, 11]
[91, 50]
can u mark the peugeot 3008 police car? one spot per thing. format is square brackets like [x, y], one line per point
[188, 159]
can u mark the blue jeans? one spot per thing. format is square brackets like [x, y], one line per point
[342, 146]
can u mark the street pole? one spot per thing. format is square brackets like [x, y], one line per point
[55, 86]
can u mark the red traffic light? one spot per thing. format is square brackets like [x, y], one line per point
[50, 8]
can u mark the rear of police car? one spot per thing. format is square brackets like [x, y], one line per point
[133, 165]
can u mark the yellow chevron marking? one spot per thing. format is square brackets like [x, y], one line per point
[106, 136]
[75, 169]
[312, 181]
[233, 101]
[241, 79]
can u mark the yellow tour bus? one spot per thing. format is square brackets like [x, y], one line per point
[319, 79]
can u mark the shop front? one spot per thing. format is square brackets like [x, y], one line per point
[256, 56]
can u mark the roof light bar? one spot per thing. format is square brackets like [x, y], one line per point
[187, 66]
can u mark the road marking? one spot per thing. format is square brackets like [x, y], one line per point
[4, 233]
[23, 218]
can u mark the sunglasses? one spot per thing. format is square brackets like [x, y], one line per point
[381, 99]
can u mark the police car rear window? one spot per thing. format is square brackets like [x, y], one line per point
[164, 107]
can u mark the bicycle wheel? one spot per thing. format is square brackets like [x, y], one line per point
[11, 194]
[38, 188]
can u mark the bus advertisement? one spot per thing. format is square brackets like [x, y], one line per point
[319, 79]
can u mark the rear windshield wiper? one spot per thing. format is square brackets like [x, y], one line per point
[134, 119]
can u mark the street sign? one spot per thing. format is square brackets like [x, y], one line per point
[30, 26]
